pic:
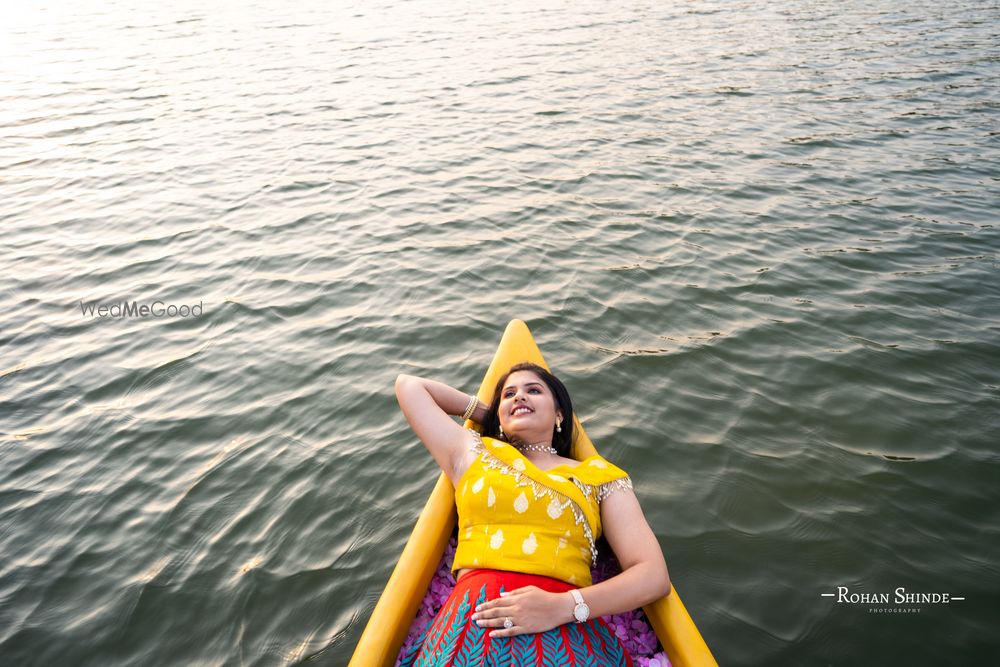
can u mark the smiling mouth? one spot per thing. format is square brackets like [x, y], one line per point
[517, 412]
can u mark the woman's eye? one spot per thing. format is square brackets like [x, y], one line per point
[508, 394]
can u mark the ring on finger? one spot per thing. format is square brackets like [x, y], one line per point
[507, 623]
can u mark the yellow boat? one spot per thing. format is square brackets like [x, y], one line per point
[396, 609]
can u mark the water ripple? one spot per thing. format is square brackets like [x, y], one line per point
[783, 235]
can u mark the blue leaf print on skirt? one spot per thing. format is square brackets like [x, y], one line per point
[448, 644]
[434, 635]
[613, 649]
[523, 648]
[471, 652]
[583, 654]
[499, 654]
[554, 650]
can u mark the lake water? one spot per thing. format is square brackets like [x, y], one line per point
[758, 241]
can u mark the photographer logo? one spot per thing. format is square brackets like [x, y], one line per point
[898, 601]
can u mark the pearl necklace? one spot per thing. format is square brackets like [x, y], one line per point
[537, 447]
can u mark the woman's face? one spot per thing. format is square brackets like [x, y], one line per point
[527, 407]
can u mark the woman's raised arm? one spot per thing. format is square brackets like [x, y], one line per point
[428, 406]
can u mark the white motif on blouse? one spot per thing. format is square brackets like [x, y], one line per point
[497, 539]
[521, 503]
[554, 509]
[529, 545]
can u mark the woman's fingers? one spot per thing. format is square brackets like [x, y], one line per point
[494, 620]
[491, 622]
[492, 604]
[494, 612]
[504, 595]
[504, 632]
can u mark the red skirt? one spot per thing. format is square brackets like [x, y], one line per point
[454, 639]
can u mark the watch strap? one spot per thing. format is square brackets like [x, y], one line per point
[578, 598]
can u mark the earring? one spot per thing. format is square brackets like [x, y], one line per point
[558, 427]
[501, 431]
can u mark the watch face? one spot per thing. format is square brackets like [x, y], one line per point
[581, 612]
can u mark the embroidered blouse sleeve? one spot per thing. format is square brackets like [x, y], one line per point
[607, 488]
[604, 478]
[610, 479]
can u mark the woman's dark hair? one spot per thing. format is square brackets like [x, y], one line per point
[562, 441]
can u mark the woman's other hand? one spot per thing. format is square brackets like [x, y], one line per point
[529, 607]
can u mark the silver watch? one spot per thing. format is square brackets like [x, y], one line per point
[581, 612]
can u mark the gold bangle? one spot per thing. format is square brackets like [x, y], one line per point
[473, 404]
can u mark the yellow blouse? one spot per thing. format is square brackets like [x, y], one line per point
[515, 516]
